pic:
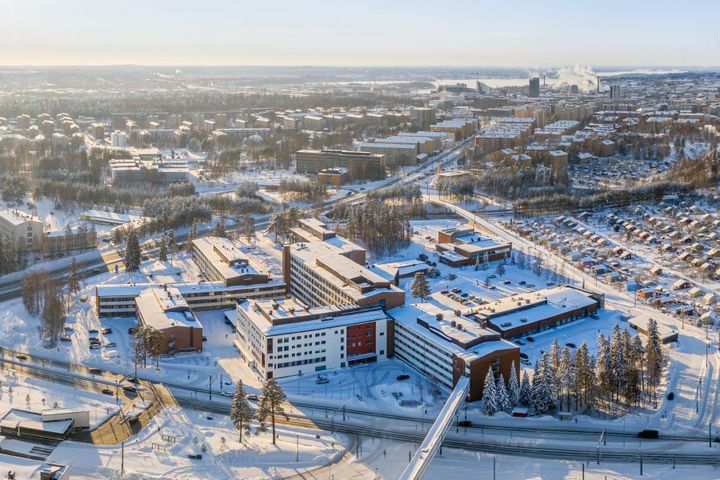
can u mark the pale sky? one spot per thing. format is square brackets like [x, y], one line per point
[523, 33]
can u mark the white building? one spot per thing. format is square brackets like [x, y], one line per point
[285, 337]
[25, 229]
[118, 139]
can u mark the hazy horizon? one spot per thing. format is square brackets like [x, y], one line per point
[325, 33]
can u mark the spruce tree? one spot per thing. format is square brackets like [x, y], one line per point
[420, 287]
[514, 386]
[525, 389]
[220, 229]
[171, 244]
[240, 412]
[653, 354]
[501, 394]
[270, 404]
[542, 392]
[488, 403]
[133, 256]
[163, 253]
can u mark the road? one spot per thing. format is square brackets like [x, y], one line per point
[404, 427]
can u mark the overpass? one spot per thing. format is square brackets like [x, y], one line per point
[435, 436]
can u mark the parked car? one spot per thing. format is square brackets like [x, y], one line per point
[464, 423]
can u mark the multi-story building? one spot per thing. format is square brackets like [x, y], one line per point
[360, 165]
[165, 310]
[460, 127]
[319, 274]
[220, 260]
[285, 337]
[24, 229]
[151, 171]
[394, 154]
[445, 346]
[534, 87]
[69, 239]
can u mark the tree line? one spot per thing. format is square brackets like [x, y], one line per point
[622, 371]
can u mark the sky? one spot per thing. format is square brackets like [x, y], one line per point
[512, 33]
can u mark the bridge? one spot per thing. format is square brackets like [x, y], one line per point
[433, 440]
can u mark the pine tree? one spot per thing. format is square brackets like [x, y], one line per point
[565, 376]
[154, 344]
[638, 354]
[525, 390]
[53, 315]
[192, 235]
[171, 243]
[617, 361]
[240, 412]
[163, 253]
[74, 278]
[603, 365]
[133, 256]
[554, 364]
[220, 229]
[514, 386]
[140, 346]
[500, 270]
[502, 398]
[488, 402]
[420, 287]
[653, 355]
[270, 404]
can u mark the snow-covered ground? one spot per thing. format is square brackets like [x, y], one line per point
[160, 451]
[24, 393]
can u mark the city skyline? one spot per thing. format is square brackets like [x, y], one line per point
[326, 33]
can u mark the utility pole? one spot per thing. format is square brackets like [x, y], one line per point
[122, 458]
[210, 379]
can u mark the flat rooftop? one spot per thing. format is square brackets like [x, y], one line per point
[408, 316]
[164, 308]
[528, 308]
[17, 217]
[280, 317]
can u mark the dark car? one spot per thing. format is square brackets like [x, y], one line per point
[95, 371]
[651, 434]
[530, 339]
[402, 377]
[21, 357]
[524, 355]
[571, 345]
[253, 397]
[464, 423]
[107, 391]
[130, 388]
